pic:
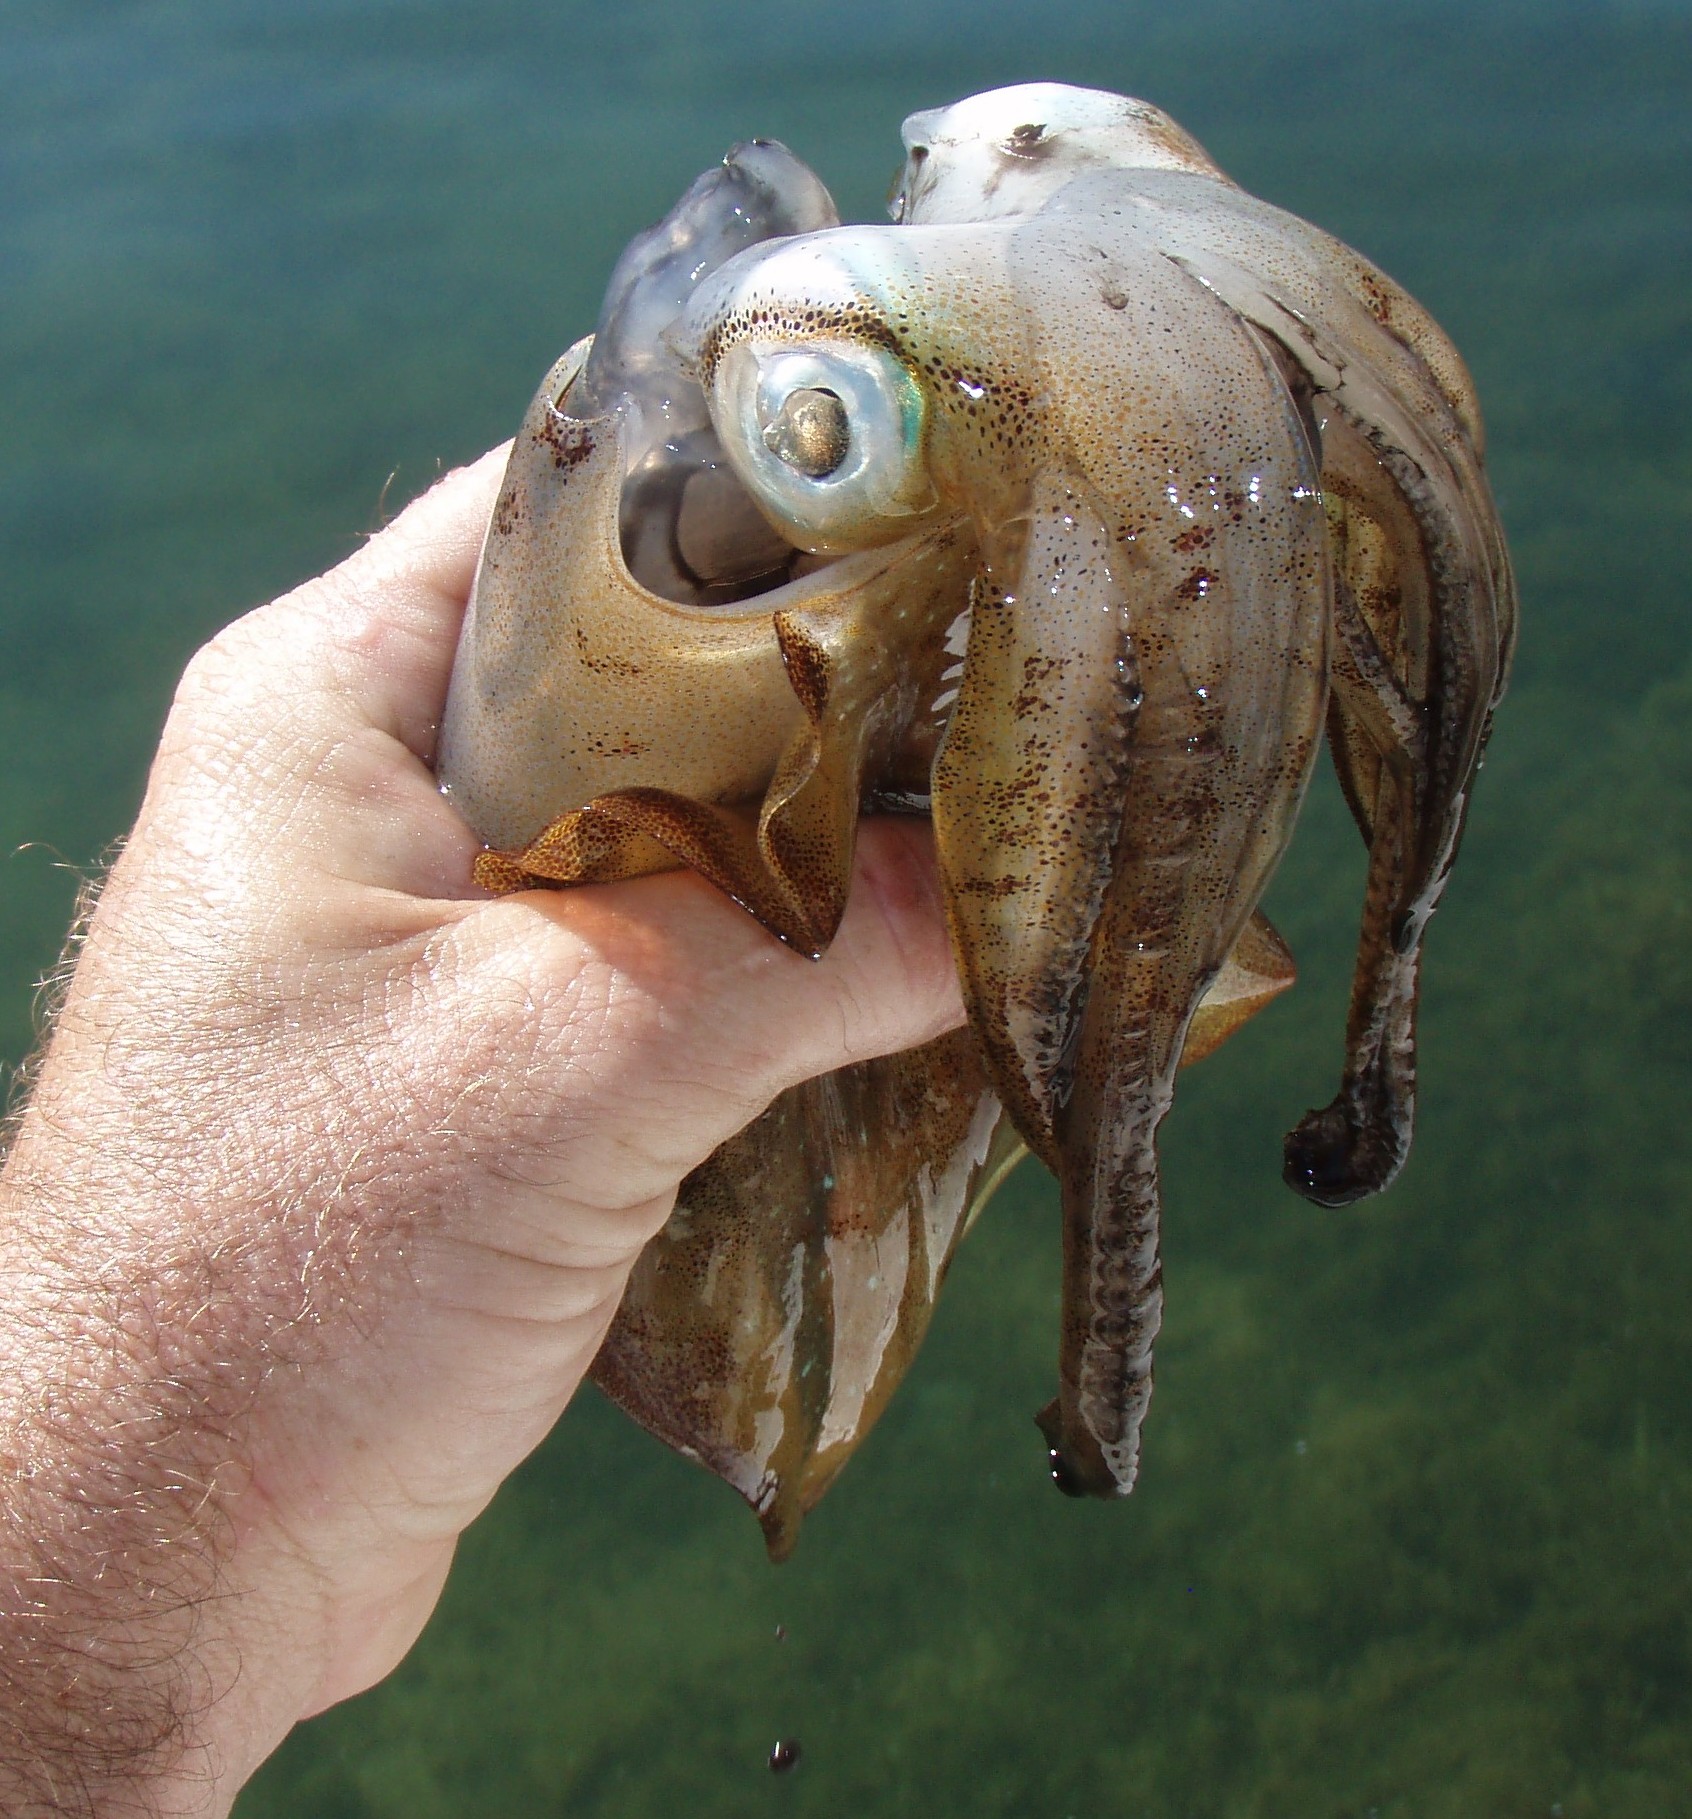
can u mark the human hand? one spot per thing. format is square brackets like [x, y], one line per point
[332, 1176]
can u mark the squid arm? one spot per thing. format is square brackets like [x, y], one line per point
[1424, 623]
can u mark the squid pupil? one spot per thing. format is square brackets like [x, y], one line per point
[810, 432]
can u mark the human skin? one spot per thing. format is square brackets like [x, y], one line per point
[330, 1179]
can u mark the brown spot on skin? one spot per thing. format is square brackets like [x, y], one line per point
[1196, 586]
[570, 440]
[500, 873]
[807, 667]
[1377, 297]
[1029, 141]
[992, 887]
[1194, 539]
[508, 512]
[602, 663]
[852, 322]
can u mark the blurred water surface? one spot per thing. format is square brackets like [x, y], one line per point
[1415, 1531]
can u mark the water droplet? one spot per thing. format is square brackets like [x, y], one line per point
[784, 1754]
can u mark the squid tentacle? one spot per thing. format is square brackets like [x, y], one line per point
[1356, 1145]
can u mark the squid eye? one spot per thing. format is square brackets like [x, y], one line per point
[810, 432]
[827, 438]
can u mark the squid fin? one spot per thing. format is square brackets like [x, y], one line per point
[766, 1326]
[1256, 972]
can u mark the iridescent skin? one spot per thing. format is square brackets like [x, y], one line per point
[1146, 483]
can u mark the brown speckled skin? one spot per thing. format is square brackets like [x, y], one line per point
[1185, 461]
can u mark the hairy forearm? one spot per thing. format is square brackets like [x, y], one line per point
[109, 1542]
[148, 1291]
[117, 1473]
[187, 1238]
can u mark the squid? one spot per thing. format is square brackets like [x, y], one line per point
[1072, 510]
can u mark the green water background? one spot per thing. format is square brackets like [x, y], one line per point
[1414, 1535]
